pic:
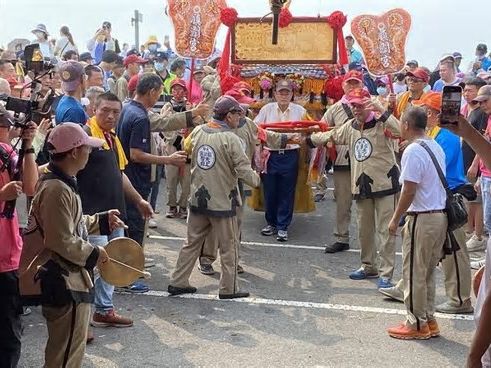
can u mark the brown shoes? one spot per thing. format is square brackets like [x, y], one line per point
[111, 319]
[434, 329]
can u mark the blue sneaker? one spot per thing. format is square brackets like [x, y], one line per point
[362, 274]
[137, 287]
[384, 283]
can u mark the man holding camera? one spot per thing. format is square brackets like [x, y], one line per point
[456, 267]
[423, 198]
[11, 241]
[101, 42]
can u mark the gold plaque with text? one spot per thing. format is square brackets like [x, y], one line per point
[304, 41]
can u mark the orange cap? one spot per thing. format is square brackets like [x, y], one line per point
[433, 100]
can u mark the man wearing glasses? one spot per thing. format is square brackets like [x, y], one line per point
[416, 83]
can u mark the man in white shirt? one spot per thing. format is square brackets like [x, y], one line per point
[281, 178]
[448, 76]
[423, 199]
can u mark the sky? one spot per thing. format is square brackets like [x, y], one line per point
[439, 26]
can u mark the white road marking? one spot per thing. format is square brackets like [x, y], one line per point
[308, 305]
[260, 244]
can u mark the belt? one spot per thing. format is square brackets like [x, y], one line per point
[283, 151]
[424, 212]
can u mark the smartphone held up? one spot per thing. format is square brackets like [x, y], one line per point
[451, 104]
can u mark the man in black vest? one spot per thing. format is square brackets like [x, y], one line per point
[103, 185]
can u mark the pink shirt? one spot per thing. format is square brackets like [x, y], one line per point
[484, 170]
[11, 241]
[196, 93]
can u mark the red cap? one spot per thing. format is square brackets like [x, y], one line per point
[242, 86]
[419, 73]
[241, 98]
[178, 82]
[131, 59]
[358, 96]
[353, 75]
[133, 82]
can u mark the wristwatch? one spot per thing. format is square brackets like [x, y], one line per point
[28, 151]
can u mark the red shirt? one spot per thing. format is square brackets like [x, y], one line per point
[11, 241]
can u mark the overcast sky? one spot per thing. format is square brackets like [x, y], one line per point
[439, 26]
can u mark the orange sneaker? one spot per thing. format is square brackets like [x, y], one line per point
[405, 332]
[434, 329]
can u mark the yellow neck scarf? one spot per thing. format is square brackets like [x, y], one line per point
[97, 132]
[433, 132]
[403, 103]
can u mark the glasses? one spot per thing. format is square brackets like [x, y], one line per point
[236, 112]
[414, 80]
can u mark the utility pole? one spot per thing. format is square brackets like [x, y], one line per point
[135, 21]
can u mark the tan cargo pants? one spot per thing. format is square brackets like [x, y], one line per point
[374, 216]
[344, 198]
[67, 335]
[209, 250]
[226, 233]
[456, 271]
[174, 179]
[423, 236]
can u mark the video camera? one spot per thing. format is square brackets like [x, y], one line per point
[37, 107]
[35, 61]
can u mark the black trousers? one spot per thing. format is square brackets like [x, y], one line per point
[134, 221]
[10, 319]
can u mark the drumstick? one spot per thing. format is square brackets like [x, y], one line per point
[145, 274]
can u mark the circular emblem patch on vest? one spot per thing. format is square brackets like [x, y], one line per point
[363, 149]
[206, 157]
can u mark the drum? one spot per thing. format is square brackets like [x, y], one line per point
[126, 264]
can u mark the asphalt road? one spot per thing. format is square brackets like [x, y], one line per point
[304, 311]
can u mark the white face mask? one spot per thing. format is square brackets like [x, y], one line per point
[39, 35]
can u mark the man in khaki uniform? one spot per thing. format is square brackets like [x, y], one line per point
[423, 198]
[251, 136]
[176, 176]
[217, 162]
[336, 116]
[374, 180]
[56, 249]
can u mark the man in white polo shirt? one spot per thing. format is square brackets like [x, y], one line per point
[281, 178]
[423, 199]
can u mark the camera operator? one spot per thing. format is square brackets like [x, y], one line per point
[102, 41]
[11, 242]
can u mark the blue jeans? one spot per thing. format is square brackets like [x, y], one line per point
[279, 188]
[103, 298]
[486, 201]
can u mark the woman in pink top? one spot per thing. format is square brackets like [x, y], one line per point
[11, 241]
[196, 90]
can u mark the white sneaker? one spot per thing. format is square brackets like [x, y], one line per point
[475, 245]
[476, 265]
[152, 224]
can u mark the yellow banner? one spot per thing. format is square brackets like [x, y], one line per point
[304, 41]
